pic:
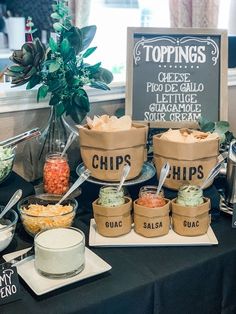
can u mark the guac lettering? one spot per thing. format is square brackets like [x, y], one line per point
[113, 224]
[191, 224]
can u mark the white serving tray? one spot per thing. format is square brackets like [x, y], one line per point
[134, 239]
[94, 265]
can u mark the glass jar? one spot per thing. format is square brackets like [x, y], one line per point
[190, 195]
[109, 197]
[59, 252]
[56, 174]
[149, 198]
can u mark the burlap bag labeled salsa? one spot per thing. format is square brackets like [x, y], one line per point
[190, 163]
[151, 222]
[191, 220]
[104, 153]
[113, 221]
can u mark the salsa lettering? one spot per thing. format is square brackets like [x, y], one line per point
[152, 225]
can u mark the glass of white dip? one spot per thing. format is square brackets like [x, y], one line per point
[59, 252]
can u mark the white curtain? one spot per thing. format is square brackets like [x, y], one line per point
[194, 13]
[80, 10]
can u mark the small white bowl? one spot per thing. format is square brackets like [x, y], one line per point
[7, 228]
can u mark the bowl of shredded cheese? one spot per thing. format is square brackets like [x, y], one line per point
[41, 212]
[7, 228]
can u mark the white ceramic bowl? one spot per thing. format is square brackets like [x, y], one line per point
[7, 228]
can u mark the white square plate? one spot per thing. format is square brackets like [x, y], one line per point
[94, 265]
[134, 239]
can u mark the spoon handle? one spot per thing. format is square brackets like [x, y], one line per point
[163, 174]
[213, 173]
[125, 173]
[84, 176]
[71, 138]
[13, 200]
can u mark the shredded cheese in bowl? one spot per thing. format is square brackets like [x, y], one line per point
[37, 216]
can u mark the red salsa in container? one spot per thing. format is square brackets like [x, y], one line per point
[56, 174]
[148, 197]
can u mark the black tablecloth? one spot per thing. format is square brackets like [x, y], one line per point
[161, 280]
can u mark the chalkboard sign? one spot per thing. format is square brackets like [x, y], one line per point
[9, 284]
[175, 76]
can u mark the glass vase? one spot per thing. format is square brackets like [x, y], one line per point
[53, 139]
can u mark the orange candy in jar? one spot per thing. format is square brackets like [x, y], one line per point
[56, 173]
[148, 197]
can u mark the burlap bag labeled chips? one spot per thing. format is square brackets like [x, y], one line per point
[113, 221]
[104, 153]
[191, 220]
[190, 163]
[151, 222]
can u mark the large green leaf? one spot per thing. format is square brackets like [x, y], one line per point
[65, 48]
[74, 37]
[222, 126]
[208, 127]
[34, 80]
[88, 33]
[88, 52]
[54, 85]
[54, 100]
[99, 85]
[52, 44]
[60, 109]
[16, 68]
[82, 101]
[76, 114]
[103, 75]
[54, 66]
[55, 15]
[57, 27]
[93, 68]
[42, 92]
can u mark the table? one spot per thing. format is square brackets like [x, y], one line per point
[160, 280]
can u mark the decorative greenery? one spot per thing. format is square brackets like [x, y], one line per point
[220, 127]
[61, 69]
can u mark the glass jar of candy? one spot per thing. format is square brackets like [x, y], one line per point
[148, 197]
[56, 174]
[109, 197]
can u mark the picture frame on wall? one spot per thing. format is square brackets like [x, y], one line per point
[175, 76]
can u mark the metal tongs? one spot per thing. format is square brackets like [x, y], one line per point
[20, 138]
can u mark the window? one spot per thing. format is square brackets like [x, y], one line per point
[112, 18]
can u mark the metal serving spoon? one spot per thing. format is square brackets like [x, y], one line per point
[71, 138]
[124, 175]
[213, 173]
[163, 174]
[83, 177]
[13, 200]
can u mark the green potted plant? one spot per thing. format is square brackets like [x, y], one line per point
[61, 71]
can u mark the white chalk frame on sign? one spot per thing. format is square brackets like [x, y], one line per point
[175, 76]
